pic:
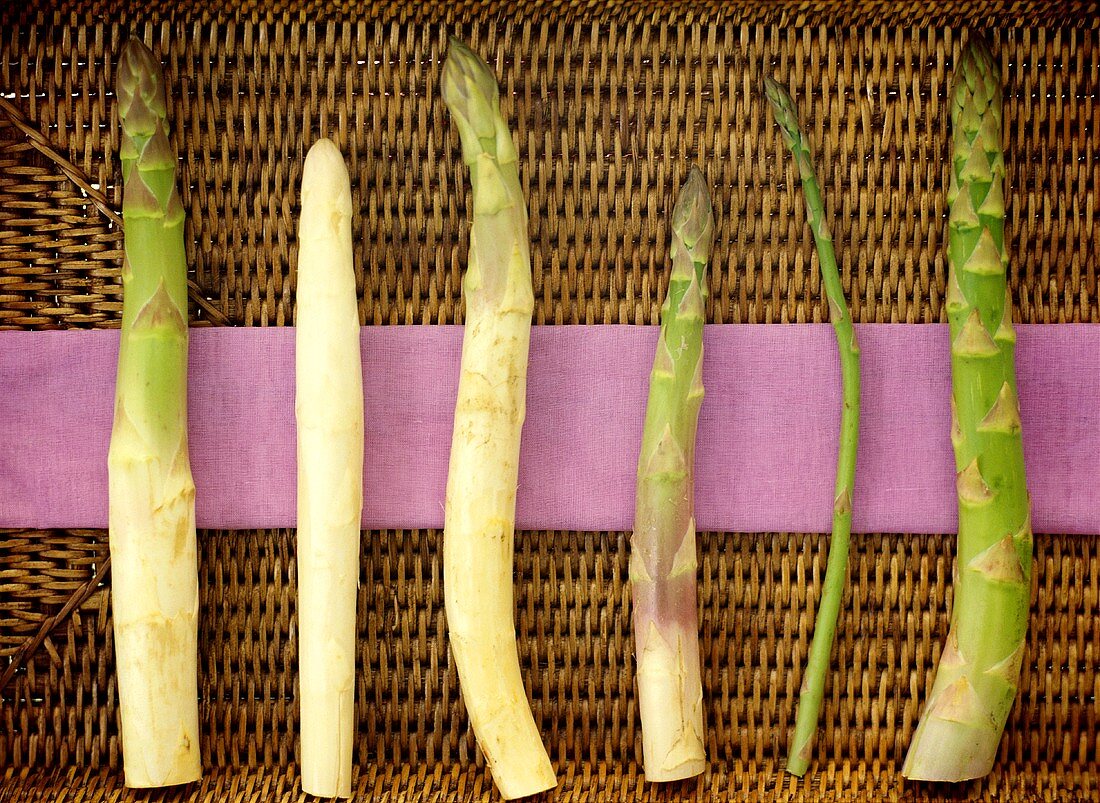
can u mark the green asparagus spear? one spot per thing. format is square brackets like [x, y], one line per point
[478, 537]
[154, 590]
[813, 685]
[663, 560]
[979, 669]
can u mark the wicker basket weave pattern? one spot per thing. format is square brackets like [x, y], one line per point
[608, 114]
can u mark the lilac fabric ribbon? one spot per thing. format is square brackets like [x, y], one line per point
[767, 435]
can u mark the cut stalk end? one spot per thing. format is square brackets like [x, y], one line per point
[671, 702]
[951, 752]
[798, 762]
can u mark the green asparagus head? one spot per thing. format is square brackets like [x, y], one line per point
[785, 114]
[499, 273]
[787, 117]
[693, 220]
[140, 90]
[977, 86]
[470, 92]
[142, 109]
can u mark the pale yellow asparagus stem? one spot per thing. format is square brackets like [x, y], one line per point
[329, 411]
[154, 587]
[481, 482]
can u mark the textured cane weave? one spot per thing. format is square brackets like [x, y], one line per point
[1000, 13]
[573, 626]
[607, 118]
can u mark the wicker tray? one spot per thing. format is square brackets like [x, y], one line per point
[609, 105]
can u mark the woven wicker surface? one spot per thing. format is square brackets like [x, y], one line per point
[1002, 13]
[607, 118]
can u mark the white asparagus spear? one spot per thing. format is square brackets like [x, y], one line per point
[481, 482]
[329, 411]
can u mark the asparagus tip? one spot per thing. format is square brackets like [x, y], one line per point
[324, 171]
[977, 75]
[773, 89]
[140, 89]
[977, 47]
[470, 92]
[138, 58]
[693, 215]
[783, 110]
[777, 94]
[978, 64]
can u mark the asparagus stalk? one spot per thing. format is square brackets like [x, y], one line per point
[478, 539]
[836, 570]
[154, 592]
[663, 560]
[329, 411]
[979, 669]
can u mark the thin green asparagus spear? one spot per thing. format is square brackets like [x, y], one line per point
[979, 669]
[663, 560]
[154, 590]
[813, 685]
[478, 538]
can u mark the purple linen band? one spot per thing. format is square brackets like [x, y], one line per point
[767, 433]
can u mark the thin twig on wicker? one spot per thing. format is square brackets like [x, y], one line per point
[41, 144]
[51, 623]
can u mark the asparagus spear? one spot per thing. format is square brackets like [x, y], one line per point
[481, 482]
[154, 592]
[663, 560]
[329, 413]
[817, 667]
[979, 669]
